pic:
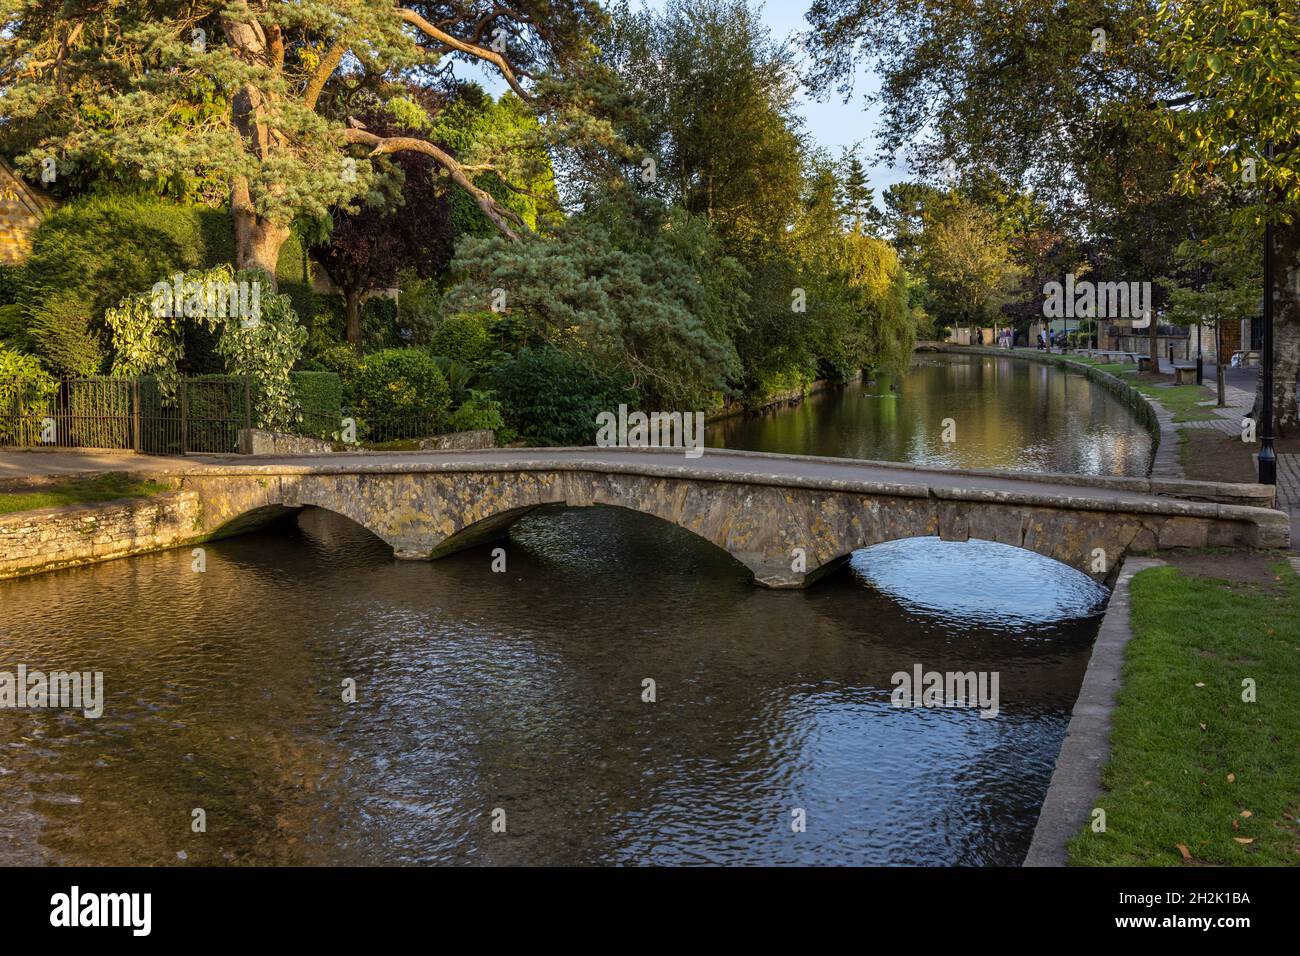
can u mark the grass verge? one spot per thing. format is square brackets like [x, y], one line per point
[1182, 400]
[1197, 775]
[106, 487]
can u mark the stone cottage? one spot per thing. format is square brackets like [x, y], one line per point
[21, 209]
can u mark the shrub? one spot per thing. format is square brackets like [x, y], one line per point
[400, 383]
[12, 278]
[344, 362]
[464, 337]
[266, 350]
[22, 373]
[319, 396]
[92, 252]
[551, 398]
[480, 412]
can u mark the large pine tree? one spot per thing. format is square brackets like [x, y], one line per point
[255, 94]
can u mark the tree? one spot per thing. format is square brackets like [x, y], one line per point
[234, 90]
[1111, 101]
[857, 197]
[1218, 280]
[404, 225]
[714, 108]
[659, 312]
[967, 263]
[1240, 64]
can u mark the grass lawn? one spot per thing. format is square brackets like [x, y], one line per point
[79, 491]
[1182, 400]
[1192, 764]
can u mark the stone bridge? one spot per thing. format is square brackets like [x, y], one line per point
[789, 519]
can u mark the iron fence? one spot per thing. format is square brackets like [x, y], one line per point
[205, 416]
[109, 413]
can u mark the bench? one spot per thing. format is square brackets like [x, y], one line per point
[1184, 373]
[1113, 354]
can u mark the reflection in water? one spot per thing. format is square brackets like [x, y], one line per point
[1008, 413]
[523, 691]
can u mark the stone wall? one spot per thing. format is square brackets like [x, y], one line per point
[80, 534]
[255, 441]
[461, 441]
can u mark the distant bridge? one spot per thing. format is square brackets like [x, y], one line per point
[789, 519]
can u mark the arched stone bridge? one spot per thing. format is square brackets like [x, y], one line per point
[759, 508]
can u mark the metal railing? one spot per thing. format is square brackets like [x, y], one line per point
[108, 413]
[204, 417]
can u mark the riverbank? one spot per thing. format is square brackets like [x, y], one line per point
[1205, 747]
[777, 400]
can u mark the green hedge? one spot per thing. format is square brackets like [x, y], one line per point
[320, 397]
[92, 252]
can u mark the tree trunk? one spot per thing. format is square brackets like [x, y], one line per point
[257, 239]
[1286, 332]
[352, 296]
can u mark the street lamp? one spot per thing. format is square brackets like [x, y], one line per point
[1268, 457]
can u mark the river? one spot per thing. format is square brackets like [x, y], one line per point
[517, 701]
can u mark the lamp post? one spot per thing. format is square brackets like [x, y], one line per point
[1200, 361]
[1267, 457]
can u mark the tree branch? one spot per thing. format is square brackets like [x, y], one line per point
[483, 53]
[500, 216]
[324, 70]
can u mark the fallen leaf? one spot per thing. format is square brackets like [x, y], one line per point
[1186, 853]
[1244, 839]
[1235, 826]
[1202, 726]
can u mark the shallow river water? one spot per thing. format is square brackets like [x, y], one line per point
[517, 698]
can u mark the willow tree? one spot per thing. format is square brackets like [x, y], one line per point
[243, 92]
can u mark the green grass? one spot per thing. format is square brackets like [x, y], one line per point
[1188, 755]
[106, 487]
[1182, 400]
